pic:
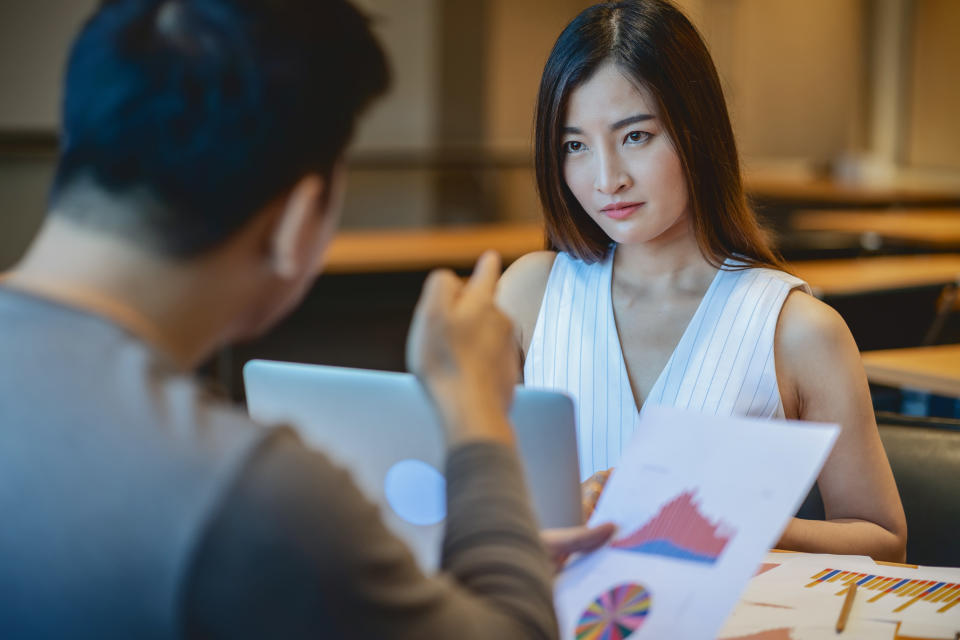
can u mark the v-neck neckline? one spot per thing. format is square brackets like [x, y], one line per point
[624, 373]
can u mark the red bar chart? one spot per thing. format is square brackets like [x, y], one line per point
[679, 530]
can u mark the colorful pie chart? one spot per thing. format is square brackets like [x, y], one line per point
[615, 614]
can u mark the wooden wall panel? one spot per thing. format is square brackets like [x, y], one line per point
[933, 134]
[796, 77]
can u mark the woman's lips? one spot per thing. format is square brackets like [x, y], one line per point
[620, 210]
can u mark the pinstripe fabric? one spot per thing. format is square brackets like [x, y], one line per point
[723, 364]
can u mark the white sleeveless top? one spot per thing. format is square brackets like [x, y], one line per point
[723, 364]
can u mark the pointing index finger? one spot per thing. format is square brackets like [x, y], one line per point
[485, 275]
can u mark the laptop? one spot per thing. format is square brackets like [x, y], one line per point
[381, 426]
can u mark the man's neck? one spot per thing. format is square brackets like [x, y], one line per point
[181, 308]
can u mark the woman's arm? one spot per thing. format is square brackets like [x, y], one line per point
[821, 379]
[520, 293]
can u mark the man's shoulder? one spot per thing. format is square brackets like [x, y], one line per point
[93, 400]
[113, 452]
[67, 365]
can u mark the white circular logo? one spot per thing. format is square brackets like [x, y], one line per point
[416, 492]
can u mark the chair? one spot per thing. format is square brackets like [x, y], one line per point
[925, 458]
[926, 464]
[893, 318]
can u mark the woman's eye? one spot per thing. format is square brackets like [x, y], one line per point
[638, 136]
[572, 146]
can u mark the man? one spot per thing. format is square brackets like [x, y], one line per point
[198, 185]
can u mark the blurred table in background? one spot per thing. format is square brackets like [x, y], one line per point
[862, 275]
[799, 189]
[889, 302]
[383, 251]
[388, 251]
[932, 228]
[933, 369]
[789, 204]
[406, 218]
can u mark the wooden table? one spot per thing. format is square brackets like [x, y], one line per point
[423, 249]
[935, 227]
[863, 275]
[933, 369]
[390, 251]
[784, 187]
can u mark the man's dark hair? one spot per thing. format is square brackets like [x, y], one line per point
[209, 109]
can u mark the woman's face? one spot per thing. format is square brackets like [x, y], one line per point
[619, 162]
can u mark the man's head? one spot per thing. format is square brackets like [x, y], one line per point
[184, 121]
[210, 109]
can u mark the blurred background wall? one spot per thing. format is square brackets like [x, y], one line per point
[934, 87]
[859, 89]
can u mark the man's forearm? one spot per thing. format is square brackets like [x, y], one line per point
[297, 551]
[492, 543]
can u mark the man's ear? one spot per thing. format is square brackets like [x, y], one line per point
[293, 230]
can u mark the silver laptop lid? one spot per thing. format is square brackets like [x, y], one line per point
[381, 427]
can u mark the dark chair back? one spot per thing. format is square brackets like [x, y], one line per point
[925, 458]
[890, 318]
[926, 464]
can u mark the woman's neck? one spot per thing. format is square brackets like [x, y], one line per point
[668, 262]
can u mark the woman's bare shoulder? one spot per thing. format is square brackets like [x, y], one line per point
[807, 322]
[815, 354]
[521, 289]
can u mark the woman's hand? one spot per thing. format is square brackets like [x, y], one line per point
[562, 543]
[590, 491]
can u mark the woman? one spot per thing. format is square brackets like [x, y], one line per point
[663, 288]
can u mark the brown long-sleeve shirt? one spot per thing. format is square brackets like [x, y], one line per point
[140, 507]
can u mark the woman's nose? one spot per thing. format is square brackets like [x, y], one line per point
[611, 175]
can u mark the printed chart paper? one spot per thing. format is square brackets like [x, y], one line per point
[756, 622]
[923, 601]
[698, 500]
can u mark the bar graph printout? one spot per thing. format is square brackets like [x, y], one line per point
[697, 501]
[924, 600]
[679, 530]
[903, 592]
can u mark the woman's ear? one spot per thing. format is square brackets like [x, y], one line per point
[295, 228]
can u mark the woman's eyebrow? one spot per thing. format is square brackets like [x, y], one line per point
[619, 124]
[640, 117]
